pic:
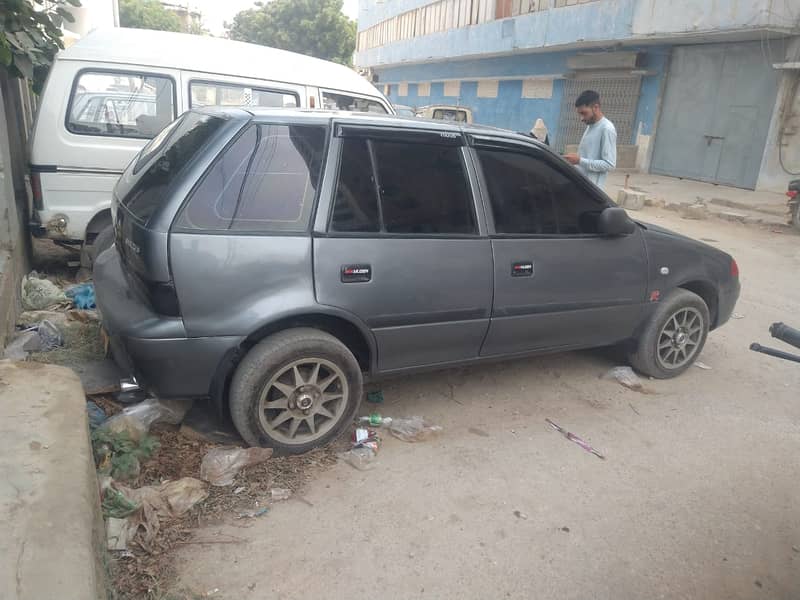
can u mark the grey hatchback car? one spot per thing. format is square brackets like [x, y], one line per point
[271, 260]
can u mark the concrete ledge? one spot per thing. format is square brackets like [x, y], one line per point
[50, 522]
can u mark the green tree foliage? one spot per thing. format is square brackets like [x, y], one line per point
[147, 14]
[30, 36]
[314, 27]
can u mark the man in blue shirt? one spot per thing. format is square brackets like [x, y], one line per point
[597, 153]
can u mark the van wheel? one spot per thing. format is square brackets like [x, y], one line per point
[674, 337]
[295, 390]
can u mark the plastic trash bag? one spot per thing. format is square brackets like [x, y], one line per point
[39, 294]
[97, 415]
[138, 418]
[625, 376]
[49, 335]
[413, 429]
[82, 295]
[220, 465]
[361, 458]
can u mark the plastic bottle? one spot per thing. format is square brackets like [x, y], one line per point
[375, 420]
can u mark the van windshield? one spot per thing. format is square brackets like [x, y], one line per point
[143, 186]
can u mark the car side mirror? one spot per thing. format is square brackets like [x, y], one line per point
[615, 221]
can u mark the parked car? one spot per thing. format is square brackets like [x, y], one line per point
[273, 259]
[439, 112]
[404, 111]
[110, 92]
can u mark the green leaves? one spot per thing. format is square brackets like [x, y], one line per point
[314, 27]
[30, 36]
[147, 14]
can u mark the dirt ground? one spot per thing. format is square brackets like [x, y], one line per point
[698, 496]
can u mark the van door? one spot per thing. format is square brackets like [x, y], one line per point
[403, 247]
[207, 89]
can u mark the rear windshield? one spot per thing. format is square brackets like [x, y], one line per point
[143, 186]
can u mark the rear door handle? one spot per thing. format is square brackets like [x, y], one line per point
[522, 269]
[356, 273]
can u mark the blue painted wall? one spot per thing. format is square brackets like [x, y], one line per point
[510, 110]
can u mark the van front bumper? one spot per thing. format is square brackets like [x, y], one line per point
[154, 348]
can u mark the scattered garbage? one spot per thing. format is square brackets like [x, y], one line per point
[83, 316]
[39, 293]
[41, 337]
[476, 431]
[360, 457]
[169, 500]
[702, 365]
[220, 465]
[82, 295]
[574, 438]
[116, 505]
[520, 515]
[97, 415]
[117, 454]
[280, 494]
[116, 534]
[626, 376]
[375, 397]
[737, 316]
[137, 419]
[413, 429]
[16, 349]
[376, 420]
[49, 335]
[251, 514]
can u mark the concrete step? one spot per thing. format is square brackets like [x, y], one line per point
[770, 209]
[51, 530]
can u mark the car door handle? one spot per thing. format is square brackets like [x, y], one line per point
[522, 269]
[356, 273]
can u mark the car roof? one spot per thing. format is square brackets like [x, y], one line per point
[208, 54]
[311, 116]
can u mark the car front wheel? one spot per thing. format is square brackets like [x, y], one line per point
[295, 390]
[674, 337]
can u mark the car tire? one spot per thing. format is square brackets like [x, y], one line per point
[103, 241]
[796, 216]
[295, 390]
[674, 336]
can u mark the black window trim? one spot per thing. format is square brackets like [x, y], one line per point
[376, 132]
[200, 80]
[174, 228]
[110, 71]
[509, 145]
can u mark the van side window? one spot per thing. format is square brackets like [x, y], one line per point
[530, 196]
[205, 93]
[336, 101]
[120, 104]
[423, 189]
[266, 181]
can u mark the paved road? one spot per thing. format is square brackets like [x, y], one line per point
[698, 497]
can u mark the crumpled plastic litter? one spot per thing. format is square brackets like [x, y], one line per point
[361, 458]
[40, 294]
[413, 429]
[41, 337]
[169, 500]
[97, 415]
[625, 376]
[50, 336]
[280, 494]
[19, 347]
[220, 465]
[82, 295]
[138, 418]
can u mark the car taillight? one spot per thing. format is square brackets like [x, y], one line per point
[734, 268]
[792, 193]
[164, 299]
[36, 190]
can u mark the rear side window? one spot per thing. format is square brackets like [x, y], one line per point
[402, 188]
[144, 185]
[265, 181]
[205, 93]
[120, 104]
[446, 114]
[336, 101]
[530, 196]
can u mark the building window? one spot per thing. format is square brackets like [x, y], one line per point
[537, 88]
[387, 90]
[452, 88]
[487, 88]
[402, 89]
[424, 89]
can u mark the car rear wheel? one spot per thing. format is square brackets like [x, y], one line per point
[674, 337]
[295, 390]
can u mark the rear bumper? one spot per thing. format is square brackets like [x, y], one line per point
[153, 348]
[728, 296]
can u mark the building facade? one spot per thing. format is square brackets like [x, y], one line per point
[697, 89]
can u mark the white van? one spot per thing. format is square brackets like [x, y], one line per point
[112, 91]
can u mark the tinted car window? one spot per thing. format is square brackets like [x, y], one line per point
[423, 189]
[205, 93]
[444, 114]
[143, 186]
[331, 101]
[530, 196]
[120, 104]
[356, 204]
[265, 181]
